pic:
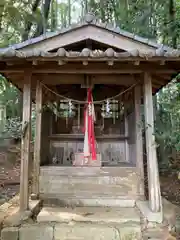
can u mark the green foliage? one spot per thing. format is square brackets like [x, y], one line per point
[168, 121]
[11, 97]
[13, 128]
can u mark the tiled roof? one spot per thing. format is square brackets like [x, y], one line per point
[90, 54]
[89, 19]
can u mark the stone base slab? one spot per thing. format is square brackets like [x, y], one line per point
[10, 233]
[36, 232]
[97, 232]
[11, 216]
[89, 215]
[82, 231]
[143, 206]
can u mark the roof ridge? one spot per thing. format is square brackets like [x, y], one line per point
[87, 53]
[90, 19]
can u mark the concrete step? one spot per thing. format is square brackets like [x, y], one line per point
[86, 171]
[81, 184]
[87, 199]
[89, 215]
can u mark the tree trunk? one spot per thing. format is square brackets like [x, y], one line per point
[172, 17]
[69, 12]
[86, 7]
[102, 10]
[42, 25]
[28, 24]
[53, 15]
[2, 5]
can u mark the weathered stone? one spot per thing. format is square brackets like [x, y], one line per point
[4, 207]
[34, 206]
[89, 214]
[155, 234]
[83, 183]
[85, 232]
[36, 232]
[2, 217]
[17, 218]
[169, 211]
[130, 231]
[87, 200]
[2, 201]
[10, 233]
[148, 214]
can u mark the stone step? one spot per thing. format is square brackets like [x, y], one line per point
[86, 171]
[76, 231]
[83, 185]
[105, 215]
[88, 199]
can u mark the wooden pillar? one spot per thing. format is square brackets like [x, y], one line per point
[2, 117]
[138, 138]
[152, 165]
[25, 144]
[126, 134]
[37, 142]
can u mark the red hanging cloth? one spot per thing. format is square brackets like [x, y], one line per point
[89, 135]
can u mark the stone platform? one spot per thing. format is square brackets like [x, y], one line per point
[89, 215]
[86, 222]
[89, 186]
[76, 231]
[89, 223]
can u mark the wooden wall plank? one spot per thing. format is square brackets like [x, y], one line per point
[112, 152]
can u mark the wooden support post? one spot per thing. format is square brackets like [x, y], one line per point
[126, 134]
[37, 143]
[152, 165]
[25, 145]
[2, 117]
[138, 138]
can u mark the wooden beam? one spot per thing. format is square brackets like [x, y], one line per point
[37, 143]
[58, 79]
[152, 165]
[91, 68]
[91, 71]
[25, 145]
[139, 140]
[55, 79]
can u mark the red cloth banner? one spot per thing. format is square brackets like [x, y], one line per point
[89, 135]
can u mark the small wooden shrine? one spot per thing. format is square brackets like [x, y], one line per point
[124, 71]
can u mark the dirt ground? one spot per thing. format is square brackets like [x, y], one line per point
[9, 174]
[170, 188]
